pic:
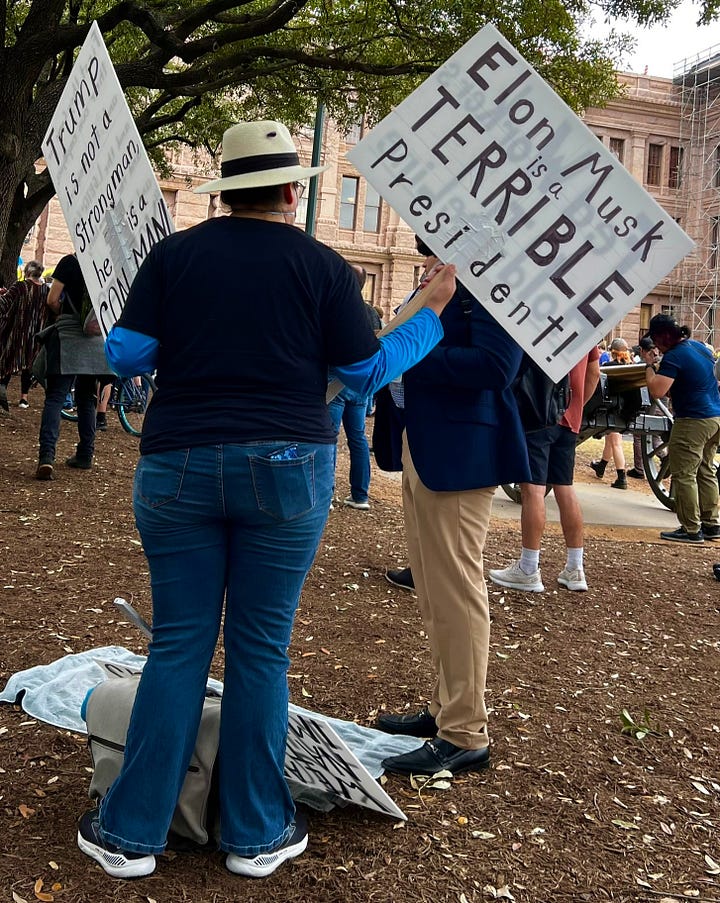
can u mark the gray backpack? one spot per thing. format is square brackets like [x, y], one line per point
[107, 710]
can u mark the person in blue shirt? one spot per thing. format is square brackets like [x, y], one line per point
[686, 373]
[349, 409]
[232, 491]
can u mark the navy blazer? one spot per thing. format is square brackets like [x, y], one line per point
[462, 422]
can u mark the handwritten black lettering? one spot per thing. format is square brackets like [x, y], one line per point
[586, 308]
[446, 98]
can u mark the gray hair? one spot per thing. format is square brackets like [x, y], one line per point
[33, 269]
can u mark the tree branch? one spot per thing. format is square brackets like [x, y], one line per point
[147, 122]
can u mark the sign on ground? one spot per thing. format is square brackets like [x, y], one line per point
[316, 758]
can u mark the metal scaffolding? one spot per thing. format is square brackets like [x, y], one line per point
[695, 286]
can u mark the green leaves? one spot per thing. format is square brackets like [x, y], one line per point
[192, 67]
[638, 729]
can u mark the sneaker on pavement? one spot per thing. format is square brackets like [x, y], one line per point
[361, 506]
[711, 531]
[514, 578]
[574, 580]
[681, 535]
[401, 577]
[116, 862]
[265, 863]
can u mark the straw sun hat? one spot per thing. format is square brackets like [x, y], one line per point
[258, 154]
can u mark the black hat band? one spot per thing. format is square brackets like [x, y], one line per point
[258, 163]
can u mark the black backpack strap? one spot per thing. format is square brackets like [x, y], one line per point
[466, 302]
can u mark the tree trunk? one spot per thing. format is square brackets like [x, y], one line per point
[20, 211]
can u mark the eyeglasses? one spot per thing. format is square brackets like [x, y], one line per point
[299, 188]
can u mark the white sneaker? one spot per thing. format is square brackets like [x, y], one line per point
[514, 578]
[115, 862]
[265, 863]
[574, 580]
[361, 506]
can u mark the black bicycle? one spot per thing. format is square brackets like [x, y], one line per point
[129, 396]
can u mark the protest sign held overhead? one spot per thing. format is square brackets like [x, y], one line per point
[498, 176]
[108, 192]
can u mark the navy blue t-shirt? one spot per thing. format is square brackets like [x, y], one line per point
[249, 315]
[694, 393]
[69, 273]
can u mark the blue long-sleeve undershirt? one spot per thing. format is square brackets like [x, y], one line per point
[130, 352]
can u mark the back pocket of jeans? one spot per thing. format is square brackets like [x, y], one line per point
[284, 489]
[159, 477]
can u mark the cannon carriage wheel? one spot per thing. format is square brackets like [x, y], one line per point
[656, 464]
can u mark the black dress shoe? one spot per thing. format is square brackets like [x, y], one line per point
[421, 724]
[401, 577]
[438, 755]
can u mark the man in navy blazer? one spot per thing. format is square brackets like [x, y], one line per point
[463, 437]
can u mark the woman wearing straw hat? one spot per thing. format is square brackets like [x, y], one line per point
[233, 489]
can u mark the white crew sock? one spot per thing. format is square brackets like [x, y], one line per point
[529, 560]
[574, 559]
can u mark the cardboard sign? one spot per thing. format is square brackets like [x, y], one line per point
[107, 189]
[316, 757]
[497, 175]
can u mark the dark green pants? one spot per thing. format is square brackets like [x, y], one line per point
[692, 448]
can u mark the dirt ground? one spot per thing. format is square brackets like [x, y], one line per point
[573, 808]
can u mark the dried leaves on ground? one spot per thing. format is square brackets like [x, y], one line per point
[605, 776]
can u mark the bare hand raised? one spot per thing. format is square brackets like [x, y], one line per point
[438, 287]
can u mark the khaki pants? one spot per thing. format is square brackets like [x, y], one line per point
[446, 535]
[692, 448]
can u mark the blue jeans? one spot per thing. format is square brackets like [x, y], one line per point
[220, 524]
[352, 416]
[56, 391]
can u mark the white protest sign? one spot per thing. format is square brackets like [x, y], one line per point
[498, 176]
[316, 757]
[108, 192]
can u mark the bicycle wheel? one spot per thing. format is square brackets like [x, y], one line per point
[69, 410]
[133, 398]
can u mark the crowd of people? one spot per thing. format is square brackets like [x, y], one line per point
[231, 494]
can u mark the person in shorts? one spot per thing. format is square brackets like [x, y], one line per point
[551, 451]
